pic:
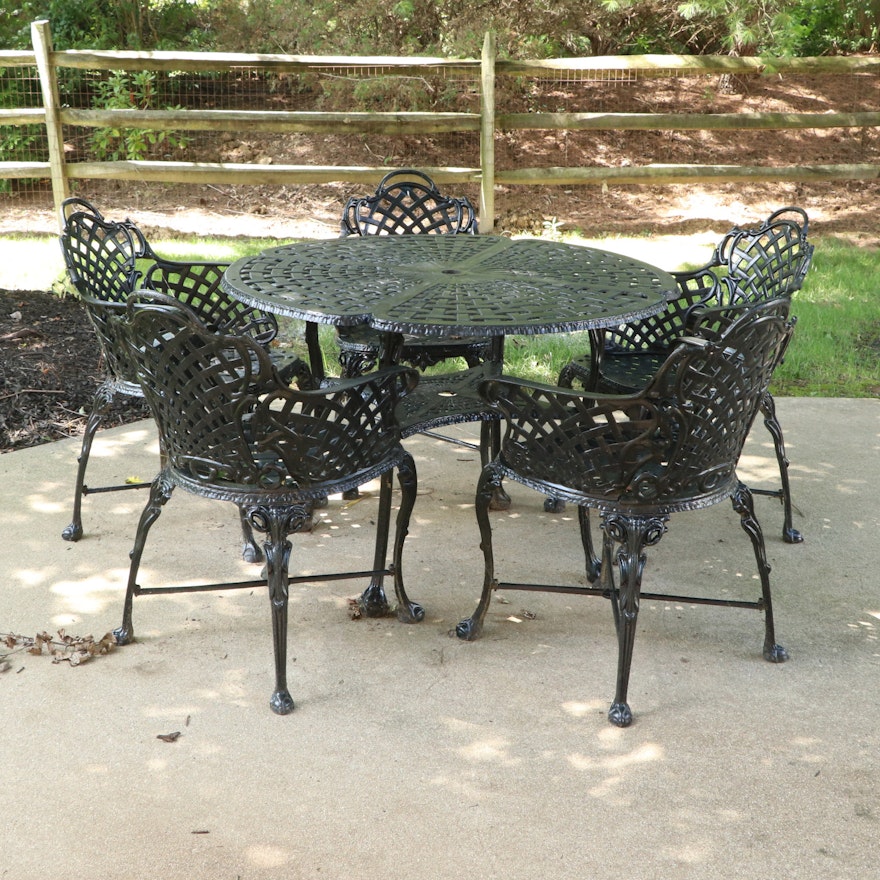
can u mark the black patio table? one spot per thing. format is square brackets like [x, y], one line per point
[450, 285]
[447, 285]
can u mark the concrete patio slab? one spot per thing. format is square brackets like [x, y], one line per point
[414, 755]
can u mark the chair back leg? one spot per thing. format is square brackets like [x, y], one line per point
[744, 506]
[790, 534]
[407, 610]
[100, 406]
[488, 484]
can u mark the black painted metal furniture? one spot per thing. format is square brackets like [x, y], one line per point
[638, 459]
[106, 260]
[749, 265]
[443, 286]
[407, 202]
[232, 430]
[101, 258]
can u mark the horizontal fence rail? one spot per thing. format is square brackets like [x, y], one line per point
[487, 104]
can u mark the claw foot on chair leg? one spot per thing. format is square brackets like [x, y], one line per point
[373, 602]
[553, 505]
[469, 629]
[123, 635]
[281, 703]
[792, 536]
[775, 653]
[251, 552]
[73, 532]
[620, 715]
[410, 612]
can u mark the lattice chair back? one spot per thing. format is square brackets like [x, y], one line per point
[229, 423]
[100, 257]
[197, 285]
[408, 201]
[673, 446]
[101, 262]
[768, 261]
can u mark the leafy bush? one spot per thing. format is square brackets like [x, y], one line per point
[121, 91]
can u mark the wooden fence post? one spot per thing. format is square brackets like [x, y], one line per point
[487, 135]
[41, 37]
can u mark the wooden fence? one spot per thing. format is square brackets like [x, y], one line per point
[485, 121]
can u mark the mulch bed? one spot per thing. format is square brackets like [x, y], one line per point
[50, 368]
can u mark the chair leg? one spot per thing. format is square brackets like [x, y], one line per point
[407, 611]
[490, 446]
[373, 602]
[768, 408]
[594, 565]
[100, 406]
[490, 480]
[251, 550]
[276, 523]
[160, 492]
[744, 506]
[633, 534]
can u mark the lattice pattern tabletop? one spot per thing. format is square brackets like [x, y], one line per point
[444, 285]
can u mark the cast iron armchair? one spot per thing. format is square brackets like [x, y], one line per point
[232, 430]
[407, 202]
[104, 260]
[748, 266]
[638, 459]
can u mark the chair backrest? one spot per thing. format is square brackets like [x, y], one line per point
[227, 421]
[407, 201]
[767, 261]
[100, 257]
[707, 396]
[673, 446]
[197, 285]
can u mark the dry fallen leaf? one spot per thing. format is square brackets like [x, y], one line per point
[169, 737]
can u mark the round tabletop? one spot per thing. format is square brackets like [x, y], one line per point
[439, 285]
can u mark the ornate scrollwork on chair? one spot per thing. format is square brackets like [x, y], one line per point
[749, 265]
[232, 430]
[638, 459]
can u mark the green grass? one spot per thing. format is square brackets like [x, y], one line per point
[835, 351]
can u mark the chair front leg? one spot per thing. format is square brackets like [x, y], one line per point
[160, 491]
[489, 482]
[633, 534]
[276, 523]
[744, 506]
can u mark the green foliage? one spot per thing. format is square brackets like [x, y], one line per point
[784, 27]
[122, 91]
[454, 28]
